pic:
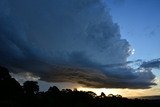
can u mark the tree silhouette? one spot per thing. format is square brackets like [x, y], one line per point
[9, 87]
[92, 94]
[102, 95]
[30, 87]
[110, 95]
[53, 89]
[12, 95]
[118, 96]
[4, 73]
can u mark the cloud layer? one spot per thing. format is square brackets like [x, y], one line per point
[155, 63]
[68, 41]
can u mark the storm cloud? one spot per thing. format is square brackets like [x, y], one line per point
[155, 63]
[67, 41]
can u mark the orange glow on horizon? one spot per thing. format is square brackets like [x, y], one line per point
[124, 92]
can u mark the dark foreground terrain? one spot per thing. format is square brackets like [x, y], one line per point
[12, 94]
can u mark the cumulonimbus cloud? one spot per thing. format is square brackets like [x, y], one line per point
[67, 41]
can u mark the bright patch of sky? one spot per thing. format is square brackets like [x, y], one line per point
[139, 24]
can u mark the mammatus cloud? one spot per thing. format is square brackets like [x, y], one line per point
[67, 41]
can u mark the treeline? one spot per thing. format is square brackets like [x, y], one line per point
[12, 94]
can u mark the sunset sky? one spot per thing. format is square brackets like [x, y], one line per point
[92, 45]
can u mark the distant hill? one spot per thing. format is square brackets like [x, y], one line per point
[151, 97]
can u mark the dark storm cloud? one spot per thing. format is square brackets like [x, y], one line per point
[67, 41]
[151, 64]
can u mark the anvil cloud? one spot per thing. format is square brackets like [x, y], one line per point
[67, 41]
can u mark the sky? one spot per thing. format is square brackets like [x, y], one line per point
[98, 45]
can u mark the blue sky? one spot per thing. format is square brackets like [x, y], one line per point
[139, 24]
